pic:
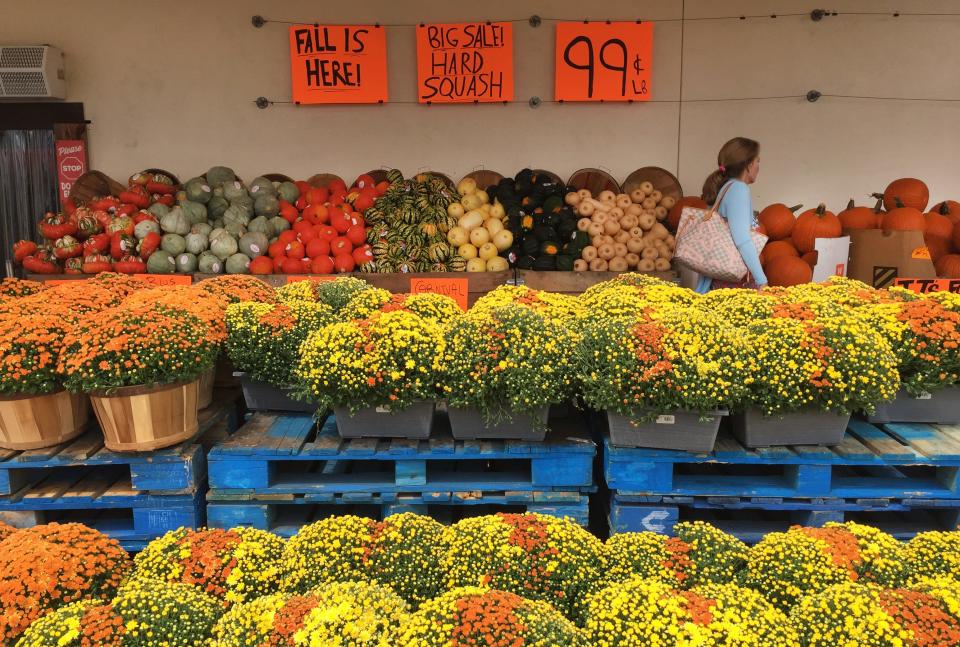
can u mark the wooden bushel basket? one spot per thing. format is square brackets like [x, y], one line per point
[38, 421]
[141, 418]
[205, 390]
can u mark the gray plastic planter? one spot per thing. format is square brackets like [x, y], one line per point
[753, 429]
[682, 430]
[940, 407]
[414, 422]
[468, 424]
[261, 396]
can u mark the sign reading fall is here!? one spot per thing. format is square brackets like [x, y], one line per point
[465, 62]
[600, 61]
[338, 63]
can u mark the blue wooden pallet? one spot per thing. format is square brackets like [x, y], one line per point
[286, 516]
[181, 468]
[290, 454]
[102, 500]
[906, 461]
[751, 518]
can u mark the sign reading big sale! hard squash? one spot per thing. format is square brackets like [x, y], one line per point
[338, 63]
[465, 62]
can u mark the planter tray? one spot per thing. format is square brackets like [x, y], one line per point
[181, 468]
[107, 502]
[286, 516]
[751, 519]
[291, 454]
[261, 396]
[941, 406]
[887, 461]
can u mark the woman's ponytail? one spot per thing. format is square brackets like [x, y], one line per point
[732, 160]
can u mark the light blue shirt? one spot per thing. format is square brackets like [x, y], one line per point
[737, 208]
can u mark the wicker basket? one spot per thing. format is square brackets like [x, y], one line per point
[484, 178]
[144, 418]
[37, 421]
[594, 180]
[662, 180]
[94, 184]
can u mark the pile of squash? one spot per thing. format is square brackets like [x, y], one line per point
[625, 232]
[481, 234]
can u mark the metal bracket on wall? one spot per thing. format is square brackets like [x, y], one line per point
[535, 21]
[258, 21]
[535, 102]
[819, 14]
[263, 103]
[813, 96]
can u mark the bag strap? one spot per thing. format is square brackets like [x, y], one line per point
[714, 209]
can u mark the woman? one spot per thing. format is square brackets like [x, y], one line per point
[739, 165]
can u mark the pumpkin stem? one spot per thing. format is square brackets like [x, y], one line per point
[796, 208]
[944, 209]
[877, 208]
[878, 196]
[821, 209]
[898, 202]
[850, 205]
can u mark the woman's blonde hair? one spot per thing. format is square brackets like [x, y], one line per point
[732, 160]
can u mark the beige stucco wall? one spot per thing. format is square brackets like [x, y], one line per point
[177, 92]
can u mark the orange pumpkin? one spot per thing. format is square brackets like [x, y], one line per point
[813, 224]
[903, 218]
[948, 208]
[673, 218]
[776, 248]
[938, 225]
[938, 247]
[788, 270]
[910, 191]
[810, 258]
[948, 267]
[778, 220]
[955, 237]
[854, 217]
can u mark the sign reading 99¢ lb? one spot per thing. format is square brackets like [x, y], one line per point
[599, 61]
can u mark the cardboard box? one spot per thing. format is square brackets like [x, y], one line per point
[879, 258]
[833, 255]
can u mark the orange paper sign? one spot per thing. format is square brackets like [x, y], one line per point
[166, 279]
[465, 62]
[62, 281]
[313, 278]
[338, 63]
[456, 289]
[601, 61]
[923, 286]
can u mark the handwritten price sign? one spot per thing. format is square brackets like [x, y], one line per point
[604, 61]
[456, 289]
[465, 62]
[924, 286]
[166, 279]
[313, 278]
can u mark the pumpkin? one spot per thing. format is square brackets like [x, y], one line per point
[955, 236]
[938, 247]
[778, 220]
[910, 191]
[813, 224]
[938, 225]
[673, 218]
[903, 218]
[948, 208]
[788, 270]
[775, 249]
[854, 217]
[948, 266]
[810, 258]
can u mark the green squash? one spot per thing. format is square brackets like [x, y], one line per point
[235, 229]
[234, 190]
[173, 243]
[266, 205]
[278, 224]
[216, 233]
[236, 215]
[262, 225]
[158, 209]
[288, 191]
[144, 227]
[195, 211]
[244, 201]
[161, 262]
[254, 244]
[217, 223]
[238, 264]
[545, 263]
[223, 247]
[565, 263]
[197, 190]
[187, 263]
[262, 186]
[217, 175]
[176, 222]
[217, 206]
[201, 228]
[208, 263]
[197, 243]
